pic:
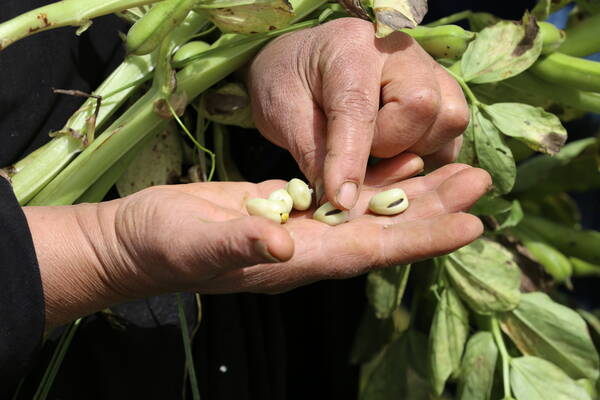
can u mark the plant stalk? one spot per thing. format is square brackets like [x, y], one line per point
[59, 14]
[141, 119]
[497, 333]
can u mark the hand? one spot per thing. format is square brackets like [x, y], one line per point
[198, 237]
[334, 94]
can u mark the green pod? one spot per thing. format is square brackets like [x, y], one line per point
[149, 31]
[573, 242]
[565, 70]
[552, 37]
[446, 41]
[584, 268]
[555, 263]
[190, 50]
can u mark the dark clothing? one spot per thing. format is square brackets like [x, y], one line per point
[290, 346]
[21, 300]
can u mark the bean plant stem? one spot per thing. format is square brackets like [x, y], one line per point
[450, 19]
[60, 14]
[187, 346]
[57, 359]
[140, 119]
[465, 87]
[196, 143]
[497, 333]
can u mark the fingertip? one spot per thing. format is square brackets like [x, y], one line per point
[274, 243]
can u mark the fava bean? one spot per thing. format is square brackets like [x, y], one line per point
[301, 194]
[271, 209]
[390, 202]
[284, 197]
[330, 215]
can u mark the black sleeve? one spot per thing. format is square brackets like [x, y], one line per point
[21, 296]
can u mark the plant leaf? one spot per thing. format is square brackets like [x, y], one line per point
[493, 155]
[533, 378]
[535, 127]
[385, 376]
[543, 328]
[447, 338]
[467, 153]
[478, 367]
[502, 50]
[485, 276]
[248, 16]
[385, 289]
[159, 163]
[555, 174]
[392, 15]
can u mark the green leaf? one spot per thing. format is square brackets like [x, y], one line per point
[488, 205]
[535, 127]
[543, 328]
[248, 16]
[467, 153]
[159, 163]
[385, 289]
[502, 50]
[493, 155]
[228, 104]
[373, 334]
[485, 276]
[513, 217]
[449, 331]
[478, 367]
[537, 169]
[392, 15]
[533, 378]
[542, 9]
[507, 214]
[396, 371]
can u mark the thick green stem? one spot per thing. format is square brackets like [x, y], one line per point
[465, 87]
[226, 168]
[141, 119]
[504, 356]
[450, 19]
[60, 14]
[102, 186]
[565, 70]
[34, 172]
[581, 100]
[582, 39]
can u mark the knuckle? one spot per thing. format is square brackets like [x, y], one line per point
[455, 119]
[424, 104]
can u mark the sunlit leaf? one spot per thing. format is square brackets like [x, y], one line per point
[533, 378]
[502, 50]
[485, 276]
[546, 329]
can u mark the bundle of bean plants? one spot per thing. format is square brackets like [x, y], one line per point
[496, 319]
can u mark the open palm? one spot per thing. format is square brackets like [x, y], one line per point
[199, 236]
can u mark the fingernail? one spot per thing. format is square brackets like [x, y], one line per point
[262, 249]
[346, 195]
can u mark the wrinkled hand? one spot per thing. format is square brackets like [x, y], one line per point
[334, 94]
[198, 237]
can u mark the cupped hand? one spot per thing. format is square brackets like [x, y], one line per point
[198, 237]
[334, 94]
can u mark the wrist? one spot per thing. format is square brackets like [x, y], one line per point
[74, 247]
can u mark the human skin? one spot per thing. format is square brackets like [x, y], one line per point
[331, 99]
[335, 94]
[198, 237]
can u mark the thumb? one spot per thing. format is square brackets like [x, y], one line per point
[242, 242]
[350, 102]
